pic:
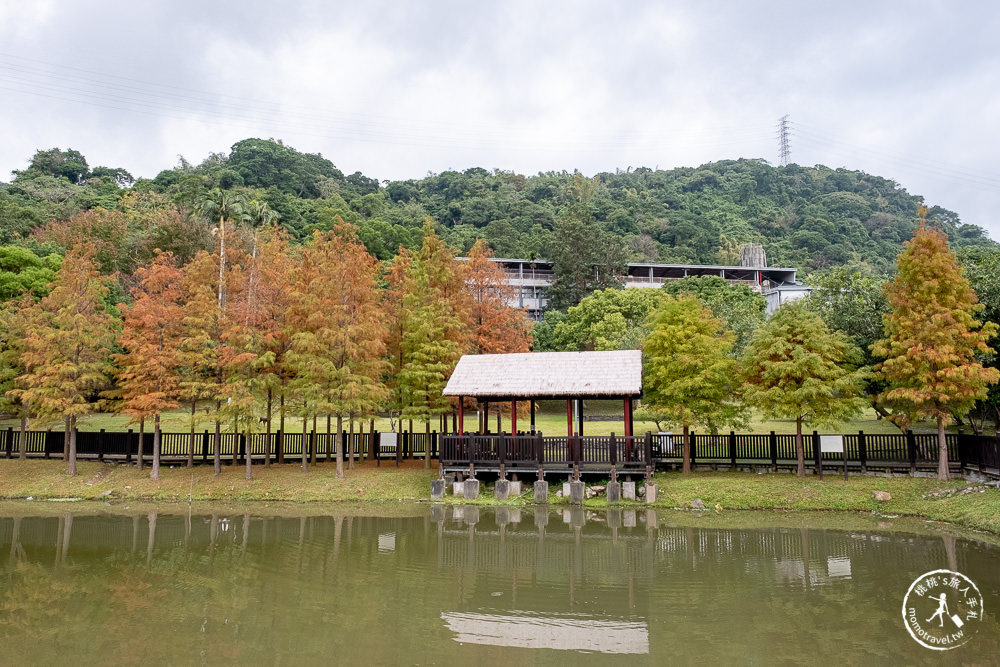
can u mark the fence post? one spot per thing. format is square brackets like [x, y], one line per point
[694, 450]
[433, 444]
[843, 443]
[648, 454]
[540, 454]
[244, 449]
[502, 454]
[128, 447]
[911, 450]
[100, 445]
[863, 451]
[613, 450]
[10, 442]
[773, 441]
[400, 442]
[818, 455]
[279, 447]
[204, 447]
[376, 449]
[732, 450]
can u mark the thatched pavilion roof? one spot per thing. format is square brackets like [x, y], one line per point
[548, 375]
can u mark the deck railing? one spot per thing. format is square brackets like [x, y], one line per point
[854, 450]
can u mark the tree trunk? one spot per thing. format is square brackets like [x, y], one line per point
[943, 472]
[217, 442]
[340, 446]
[190, 462]
[267, 435]
[72, 445]
[236, 442]
[22, 441]
[329, 432]
[371, 440]
[800, 452]
[427, 444]
[249, 459]
[305, 444]
[686, 463]
[222, 263]
[66, 429]
[312, 457]
[138, 457]
[350, 442]
[155, 472]
[281, 424]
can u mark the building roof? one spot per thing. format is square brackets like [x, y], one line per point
[548, 375]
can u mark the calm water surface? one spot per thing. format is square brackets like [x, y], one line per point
[469, 586]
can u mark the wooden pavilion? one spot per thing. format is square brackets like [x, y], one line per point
[570, 376]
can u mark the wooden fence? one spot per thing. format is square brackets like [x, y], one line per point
[284, 447]
[856, 451]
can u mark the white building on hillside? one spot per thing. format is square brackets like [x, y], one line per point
[778, 285]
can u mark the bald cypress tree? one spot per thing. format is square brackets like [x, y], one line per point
[689, 375]
[933, 337]
[67, 351]
[795, 367]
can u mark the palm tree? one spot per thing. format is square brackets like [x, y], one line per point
[222, 205]
[259, 214]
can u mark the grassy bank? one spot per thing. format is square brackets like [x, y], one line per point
[939, 501]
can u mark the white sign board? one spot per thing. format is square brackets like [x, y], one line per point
[831, 443]
[387, 440]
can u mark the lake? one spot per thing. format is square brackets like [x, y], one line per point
[447, 585]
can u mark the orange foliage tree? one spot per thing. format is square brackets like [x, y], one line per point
[201, 347]
[67, 349]
[933, 337]
[337, 347]
[497, 326]
[149, 374]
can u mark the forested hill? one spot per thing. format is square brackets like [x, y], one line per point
[806, 217]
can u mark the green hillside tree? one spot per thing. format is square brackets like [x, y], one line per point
[795, 367]
[689, 375]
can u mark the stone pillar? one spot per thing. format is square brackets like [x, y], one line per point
[541, 491]
[501, 489]
[515, 487]
[628, 490]
[437, 489]
[650, 493]
[577, 490]
[470, 489]
[614, 492]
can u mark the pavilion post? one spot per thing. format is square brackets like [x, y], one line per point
[579, 417]
[532, 404]
[628, 416]
[569, 418]
[485, 426]
[461, 415]
[513, 417]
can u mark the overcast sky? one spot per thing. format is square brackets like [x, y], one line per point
[905, 90]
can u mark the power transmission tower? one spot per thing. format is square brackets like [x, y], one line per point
[785, 151]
